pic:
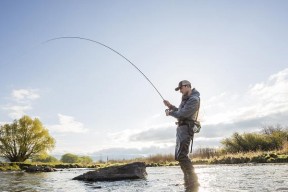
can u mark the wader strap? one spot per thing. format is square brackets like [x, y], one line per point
[192, 139]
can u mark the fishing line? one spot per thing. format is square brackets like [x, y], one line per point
[81, 38]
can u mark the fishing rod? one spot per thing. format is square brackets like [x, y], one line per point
[86, 39]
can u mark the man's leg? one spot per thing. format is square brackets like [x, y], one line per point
[190, 177]
[181, 154]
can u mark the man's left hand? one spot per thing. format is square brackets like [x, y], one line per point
[167, 103]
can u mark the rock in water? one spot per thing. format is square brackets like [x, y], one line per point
[33, 169]
[135, 170]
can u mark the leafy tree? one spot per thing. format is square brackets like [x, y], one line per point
[45, 159]
[23, 139]
[85, 160]
[69, 158]
[72, 158]
[276, 135]
[270, 129]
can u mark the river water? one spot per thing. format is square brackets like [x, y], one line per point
[212, 178]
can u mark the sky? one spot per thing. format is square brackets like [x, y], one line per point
[94, 102]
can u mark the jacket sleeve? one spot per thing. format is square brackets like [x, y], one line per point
[189, 109]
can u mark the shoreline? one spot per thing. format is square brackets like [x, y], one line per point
[158, 160]
[18, 169]
[226, 159]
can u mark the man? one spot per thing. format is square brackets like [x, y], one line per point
[186, 114]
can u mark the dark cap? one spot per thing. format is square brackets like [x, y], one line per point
[182, 83]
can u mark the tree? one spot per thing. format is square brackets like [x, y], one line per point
[270, 129]
[45, 158]
[85, 160]
[24, 138]
[69, 158]
[270, 138]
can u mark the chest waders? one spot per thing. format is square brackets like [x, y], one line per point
[185, 137]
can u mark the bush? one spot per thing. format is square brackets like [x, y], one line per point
[206, 153]
[45, 159]
[270, 138]
[69, 158]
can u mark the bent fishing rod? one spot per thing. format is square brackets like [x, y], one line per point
[99, 43]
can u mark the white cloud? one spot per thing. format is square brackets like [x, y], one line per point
[159, 135]
[17, 111]
[21, 95]
[262, 99]
[67, 124]
[272, 95]
[21, 102]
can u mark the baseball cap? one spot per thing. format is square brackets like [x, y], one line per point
[182, 83]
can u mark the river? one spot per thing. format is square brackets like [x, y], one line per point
[212, 178]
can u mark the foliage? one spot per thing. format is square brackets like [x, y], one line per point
[45, 159]
[270, 138]
[23, 139]
[72, 158]
[85, 160]
[69, 158]
[160, 158]
[152, 160]
[206, 153]
[9, 167]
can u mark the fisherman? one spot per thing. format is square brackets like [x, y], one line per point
[186, 115]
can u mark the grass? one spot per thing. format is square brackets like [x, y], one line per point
[280, 156]
[9, 167]
[250, 157]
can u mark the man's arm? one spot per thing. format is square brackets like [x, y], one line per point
[189, 109]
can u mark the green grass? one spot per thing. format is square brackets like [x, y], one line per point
[9, 167]
[250, 157]
[166, 160]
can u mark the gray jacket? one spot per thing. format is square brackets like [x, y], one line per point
[188, 109]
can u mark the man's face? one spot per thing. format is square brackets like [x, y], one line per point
[184, 90]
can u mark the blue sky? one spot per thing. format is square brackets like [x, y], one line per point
[94, 102]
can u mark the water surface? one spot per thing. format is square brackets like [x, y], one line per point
[212, 178]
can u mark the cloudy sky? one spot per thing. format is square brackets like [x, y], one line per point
[94, 102]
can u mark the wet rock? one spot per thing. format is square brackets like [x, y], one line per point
[135, 170]
[33, 169]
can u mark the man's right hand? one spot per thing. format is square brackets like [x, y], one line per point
[167, 111]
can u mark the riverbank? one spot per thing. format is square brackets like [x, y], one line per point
[228, 158]
[162, 160]
[18, 166]
[253, 157]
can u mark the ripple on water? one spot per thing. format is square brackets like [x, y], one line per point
[212, 178]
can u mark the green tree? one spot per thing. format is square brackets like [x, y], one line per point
[276, 135]
[85, 160]
[23, 139]
[45, 159]
[270, 138]
[69, 158]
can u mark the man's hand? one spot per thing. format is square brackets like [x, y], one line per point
[167, 111]
[167, 103]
